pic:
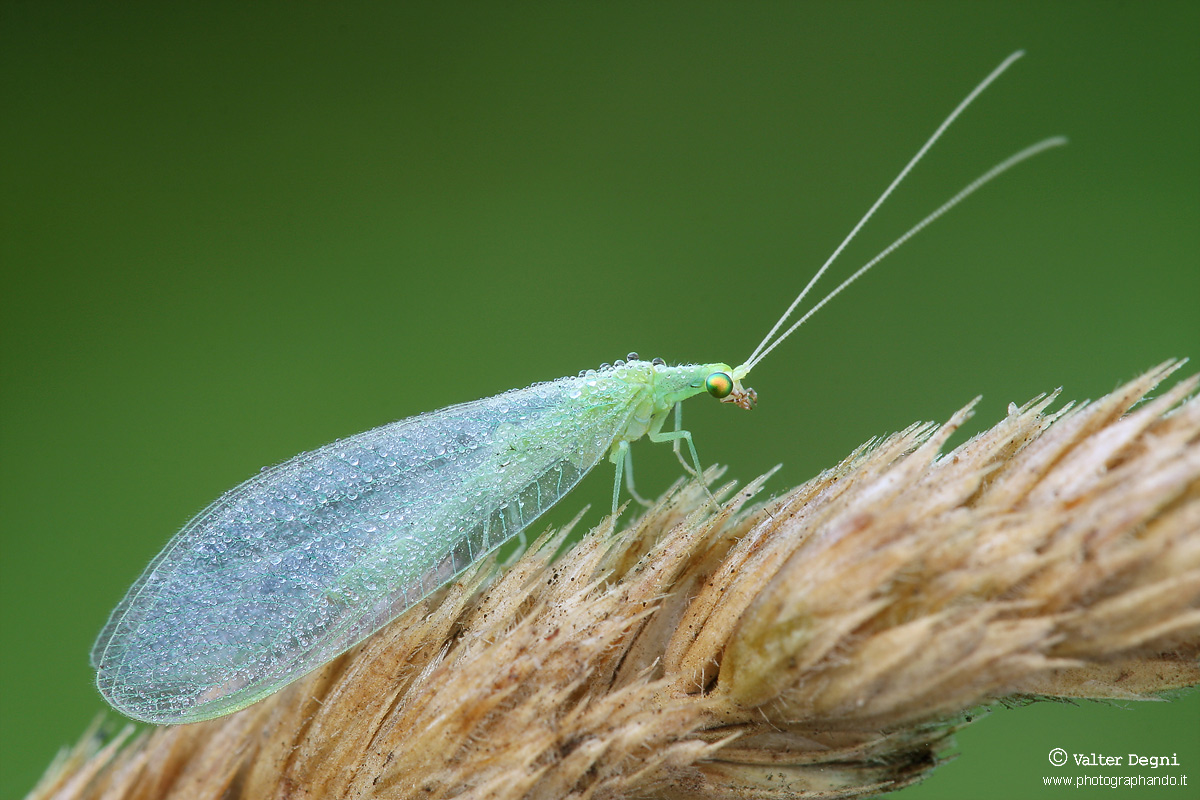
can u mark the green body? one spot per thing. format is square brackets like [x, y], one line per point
[304, 560]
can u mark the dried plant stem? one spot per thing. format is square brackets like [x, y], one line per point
[826, 642]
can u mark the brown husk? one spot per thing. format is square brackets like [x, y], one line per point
[823, 643]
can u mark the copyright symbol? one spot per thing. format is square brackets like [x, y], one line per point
[1058, 756]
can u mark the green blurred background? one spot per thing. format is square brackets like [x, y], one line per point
[232, 233]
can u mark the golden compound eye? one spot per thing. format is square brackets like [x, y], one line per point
[719, 385]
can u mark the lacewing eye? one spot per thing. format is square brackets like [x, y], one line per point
[719, 385]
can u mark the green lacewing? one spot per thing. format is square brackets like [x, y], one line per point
[296, 565]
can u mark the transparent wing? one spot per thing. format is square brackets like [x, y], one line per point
[301, 562]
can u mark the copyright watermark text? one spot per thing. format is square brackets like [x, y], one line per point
[1129, 769]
